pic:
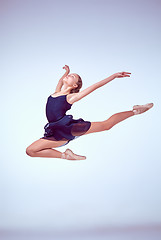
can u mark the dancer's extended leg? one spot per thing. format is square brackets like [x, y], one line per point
[116, 118]
[110, 122]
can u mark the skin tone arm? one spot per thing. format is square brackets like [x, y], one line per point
[60, 83]
[99, 84]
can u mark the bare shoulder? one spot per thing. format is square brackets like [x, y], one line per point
[71, 97]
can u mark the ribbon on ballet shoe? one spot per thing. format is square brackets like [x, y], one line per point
[63, 156]
[66, 156]
[135, 112]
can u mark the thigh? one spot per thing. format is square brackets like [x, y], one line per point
[41, 144]
[96, 127]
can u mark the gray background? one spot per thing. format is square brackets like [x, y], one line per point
[119, 182]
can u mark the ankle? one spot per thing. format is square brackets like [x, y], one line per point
[135, 112]
[63, 155]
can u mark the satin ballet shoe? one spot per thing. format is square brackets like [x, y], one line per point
[68, 154]
[138, 109]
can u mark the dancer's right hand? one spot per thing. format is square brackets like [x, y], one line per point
[122, 74]
[66, 67]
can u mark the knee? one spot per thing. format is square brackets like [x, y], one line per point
[29, 152]
[108, 125]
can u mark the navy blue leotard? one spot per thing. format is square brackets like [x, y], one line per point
[61, 127]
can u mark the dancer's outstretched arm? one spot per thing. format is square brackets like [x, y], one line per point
[101, 83]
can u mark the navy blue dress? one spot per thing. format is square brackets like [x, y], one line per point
[61, 127]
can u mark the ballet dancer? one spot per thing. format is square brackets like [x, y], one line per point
[62, 128]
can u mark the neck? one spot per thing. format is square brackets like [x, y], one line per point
[65, 89]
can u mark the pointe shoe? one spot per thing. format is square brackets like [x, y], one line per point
[68, 154]
[138, 109]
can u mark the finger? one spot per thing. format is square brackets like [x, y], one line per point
[125, 73]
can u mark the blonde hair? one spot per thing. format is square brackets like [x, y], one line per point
[79, 83]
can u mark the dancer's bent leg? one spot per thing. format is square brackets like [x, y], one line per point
[43, 148]
[49, 153]
[52, 153]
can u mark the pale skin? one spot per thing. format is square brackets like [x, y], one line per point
[44, 147]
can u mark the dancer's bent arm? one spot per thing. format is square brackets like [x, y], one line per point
[60, 82]
[101, 83]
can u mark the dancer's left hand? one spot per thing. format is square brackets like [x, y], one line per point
[122, 74]
[66, 67]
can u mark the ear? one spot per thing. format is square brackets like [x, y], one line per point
[75, 85]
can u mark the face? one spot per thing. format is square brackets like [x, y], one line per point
[71, 79]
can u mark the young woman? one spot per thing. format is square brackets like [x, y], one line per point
[62, 128]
